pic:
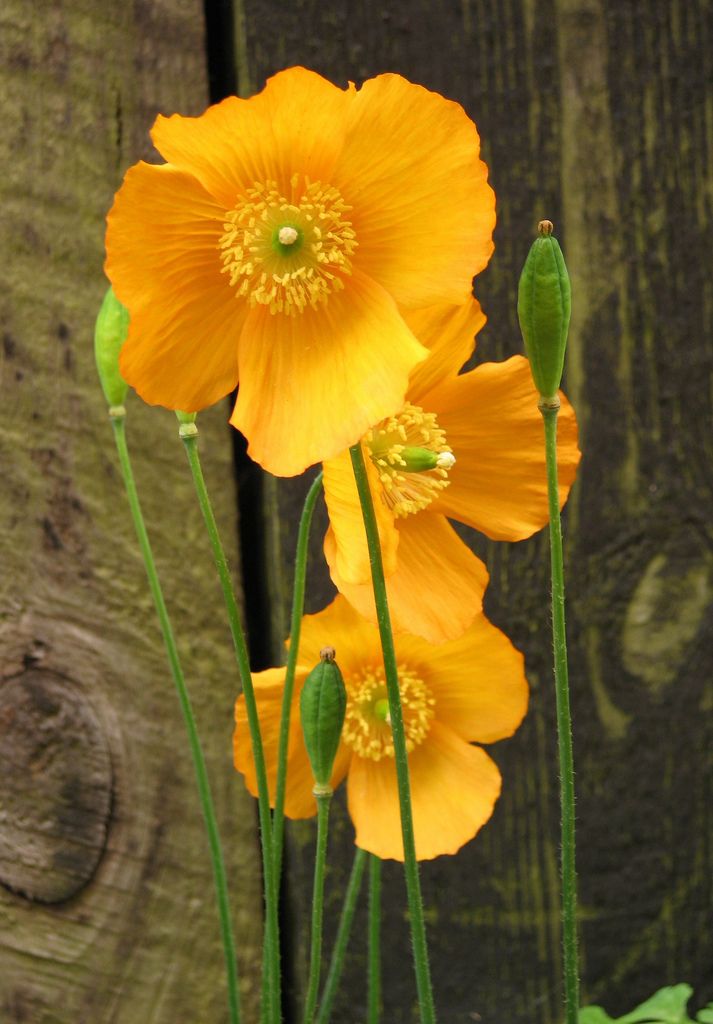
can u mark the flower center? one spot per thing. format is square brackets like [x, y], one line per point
[410, 453]
[288, 253]
[367, 724]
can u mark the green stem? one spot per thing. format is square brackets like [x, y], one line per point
[413, 885]
[374, 969]
[211, 824]
[298, 602]
[564, 726]
[341, 942]
[315, 959]
[272, 992]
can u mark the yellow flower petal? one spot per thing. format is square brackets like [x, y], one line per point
[411, 170]
[478, 680]
[449, 334]
[351, 553]
[311, 385]
[340, 627]
[453, 789]
[498, 484]
[437, 588]
[161, 242]
[296, 122]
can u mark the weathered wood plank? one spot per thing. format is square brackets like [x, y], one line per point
[598, 115]
[106, 904]
[638, 222]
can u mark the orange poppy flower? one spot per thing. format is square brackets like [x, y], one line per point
[488, 421]
[275, 245]
[470, 690]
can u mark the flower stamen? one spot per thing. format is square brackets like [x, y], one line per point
[367, 723]
[288, 254]
[412, 457]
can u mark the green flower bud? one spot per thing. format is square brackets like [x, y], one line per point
[110, 333]
[323, 702]
[544, 300]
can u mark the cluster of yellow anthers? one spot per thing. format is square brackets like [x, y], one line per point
[317, 246]
[286, 254]
[400, 447]
[367, 723]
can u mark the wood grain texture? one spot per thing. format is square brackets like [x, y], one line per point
[599, 115]
[107, 911]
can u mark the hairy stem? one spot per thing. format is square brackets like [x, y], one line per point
[341, 942]
[199, 765]
[374, 962]
[272, 988]
[298, 603]
[315, 959]
[564, 726]
[413, 884]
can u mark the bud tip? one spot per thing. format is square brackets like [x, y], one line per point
[545, 227]
[327, 654]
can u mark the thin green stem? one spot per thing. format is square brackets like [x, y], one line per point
[272, 990]
[413, 885]
[341, 942]
[199, 765]
[298, 603]
[374, 968]
[315, 958]
[564, 727]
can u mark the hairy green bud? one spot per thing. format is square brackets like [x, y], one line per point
[323, 702]
[544, 302]
[110, 331]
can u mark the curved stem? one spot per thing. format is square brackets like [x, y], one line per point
[241, 653]
[564, 727]
[199, 765]
[374, 968]
[298, 603]
[413, 885]
[341, 942]
[315, 959]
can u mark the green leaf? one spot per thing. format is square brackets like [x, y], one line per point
[667, 1006]
[705, 1016]
[594, 1015]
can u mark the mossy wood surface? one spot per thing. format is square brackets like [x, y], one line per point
[107, 911]
[598, 115]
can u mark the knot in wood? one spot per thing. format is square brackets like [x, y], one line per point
[55, 802]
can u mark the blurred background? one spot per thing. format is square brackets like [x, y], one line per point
[597, 114]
